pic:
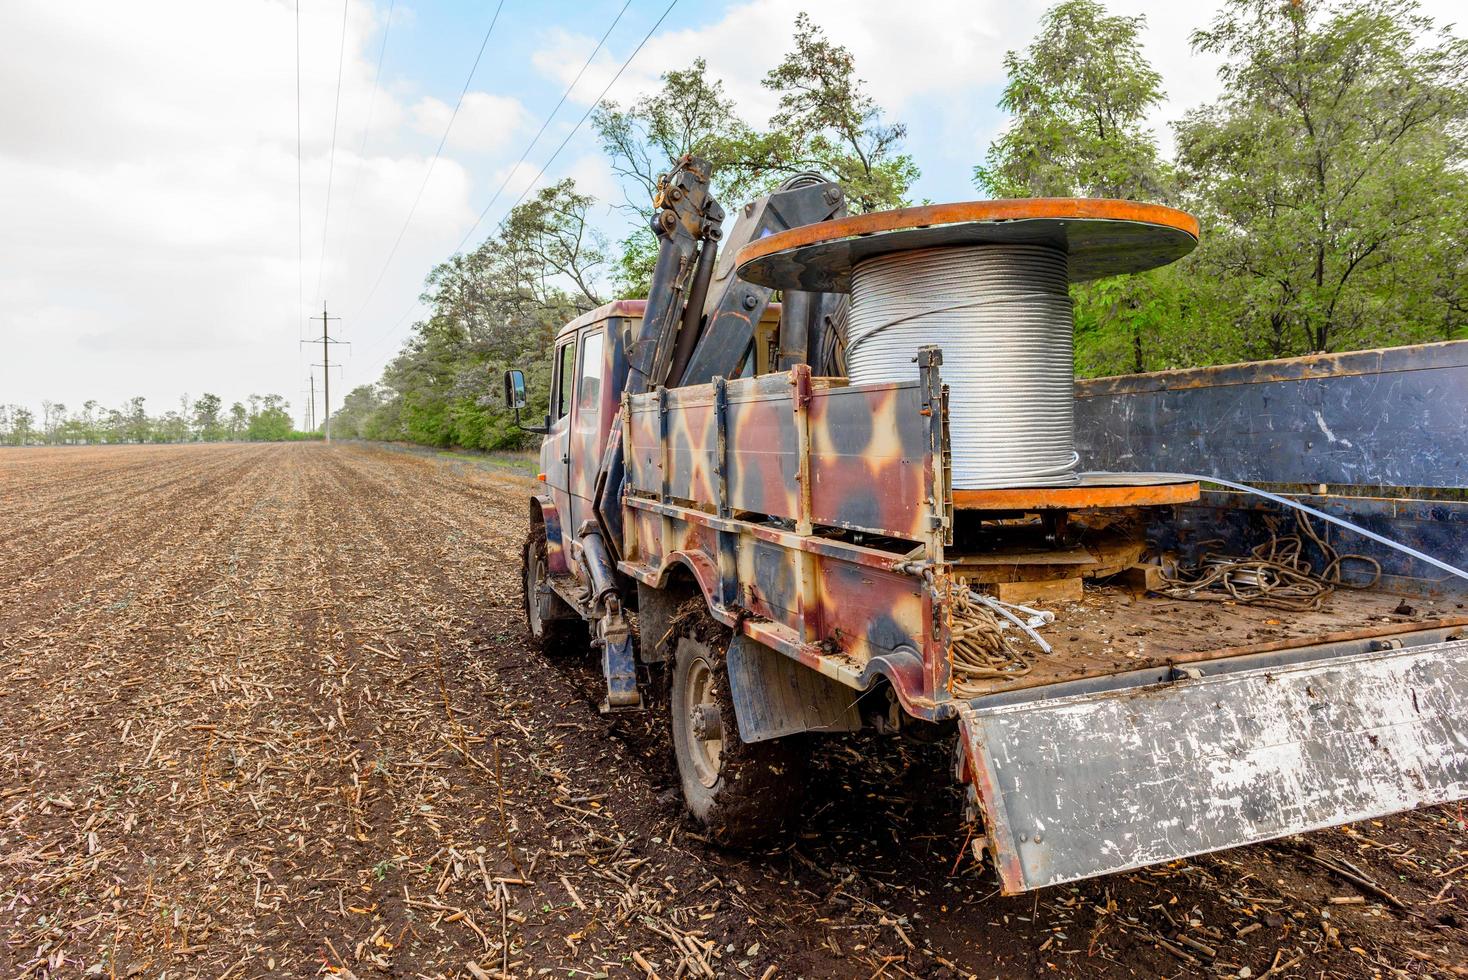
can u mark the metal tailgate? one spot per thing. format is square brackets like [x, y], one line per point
[1089, 784]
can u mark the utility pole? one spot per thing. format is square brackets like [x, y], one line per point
[326, 341]
[309, 411]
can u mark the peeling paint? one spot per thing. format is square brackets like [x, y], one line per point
[1153, 774]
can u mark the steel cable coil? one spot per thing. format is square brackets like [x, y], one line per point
[1002, 315]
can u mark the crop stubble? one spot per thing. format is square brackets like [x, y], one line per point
[268, 712]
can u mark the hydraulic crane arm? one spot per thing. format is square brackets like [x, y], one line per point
[700, 316]
[724, 332]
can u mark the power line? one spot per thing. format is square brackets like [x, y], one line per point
[564, 95]
[553, 156]
[432, 163]
[331, 166]
[300, 221]
[376, 77]
[587, 115]
[326, 341]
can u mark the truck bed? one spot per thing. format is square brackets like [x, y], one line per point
[1112, 630]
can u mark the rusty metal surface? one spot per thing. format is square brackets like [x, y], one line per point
[617, 307]
[1396, 418]
[1215, 762]
[746, 482]
[774, 695]
[1087, 496]
[1103, 238]
[860, 438]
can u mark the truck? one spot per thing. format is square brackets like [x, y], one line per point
[1133, 665]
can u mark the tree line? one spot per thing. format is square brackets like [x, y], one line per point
[259, 418]
[1328, 177]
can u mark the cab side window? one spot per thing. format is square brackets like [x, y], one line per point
[589, 393]
[566, 377]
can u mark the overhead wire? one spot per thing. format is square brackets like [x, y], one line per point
[376, 79]
[543, 126]
[596, 102]
[434, 162]
[331, 165]
[300, 220]
[587, 115]
[300, 206]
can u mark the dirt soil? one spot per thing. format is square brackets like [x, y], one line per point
[268, 711]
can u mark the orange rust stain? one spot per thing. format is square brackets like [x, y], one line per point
[966, 211]
[1075, 498]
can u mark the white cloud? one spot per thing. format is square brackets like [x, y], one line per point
[148, 183]
[950, 45]
[485, 123]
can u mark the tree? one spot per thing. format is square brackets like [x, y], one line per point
[22, 421]
[550, 246]
[271, 422]
[690, 114]
[91, 426]
[827, 122]
[239, 421]
[1331, 174]
[497, 307]
[1079, 97]
[139, 427]
[207, 422]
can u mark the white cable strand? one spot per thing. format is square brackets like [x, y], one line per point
[1329, 518]
[1002, 315]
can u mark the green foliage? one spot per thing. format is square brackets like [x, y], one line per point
[1331, 175]
[1079, 96]
[1329, 179]
[690, 114]
[267, 419]
[826, 122]
[207, 420]
[495, 308]
[632, 272]
[272, 423]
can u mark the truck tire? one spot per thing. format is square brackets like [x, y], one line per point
[742, 793]
[555, 628]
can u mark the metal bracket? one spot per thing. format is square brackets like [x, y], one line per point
[618, 662]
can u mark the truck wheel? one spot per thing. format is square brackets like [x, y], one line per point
[555, 628]
[741, 792]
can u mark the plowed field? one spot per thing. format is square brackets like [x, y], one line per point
[268, 711]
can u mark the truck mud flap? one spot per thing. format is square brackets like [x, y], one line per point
[1084, 784]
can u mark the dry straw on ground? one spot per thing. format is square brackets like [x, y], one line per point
[267, 711]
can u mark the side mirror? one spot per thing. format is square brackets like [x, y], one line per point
[514, 389]
[515, 400]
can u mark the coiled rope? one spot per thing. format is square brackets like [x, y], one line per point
[1275, 574]
[1002, 315]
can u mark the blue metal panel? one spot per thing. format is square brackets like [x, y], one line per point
[1225, 522]
[1396, 417]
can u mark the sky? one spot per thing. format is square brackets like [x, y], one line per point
[157, 241]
